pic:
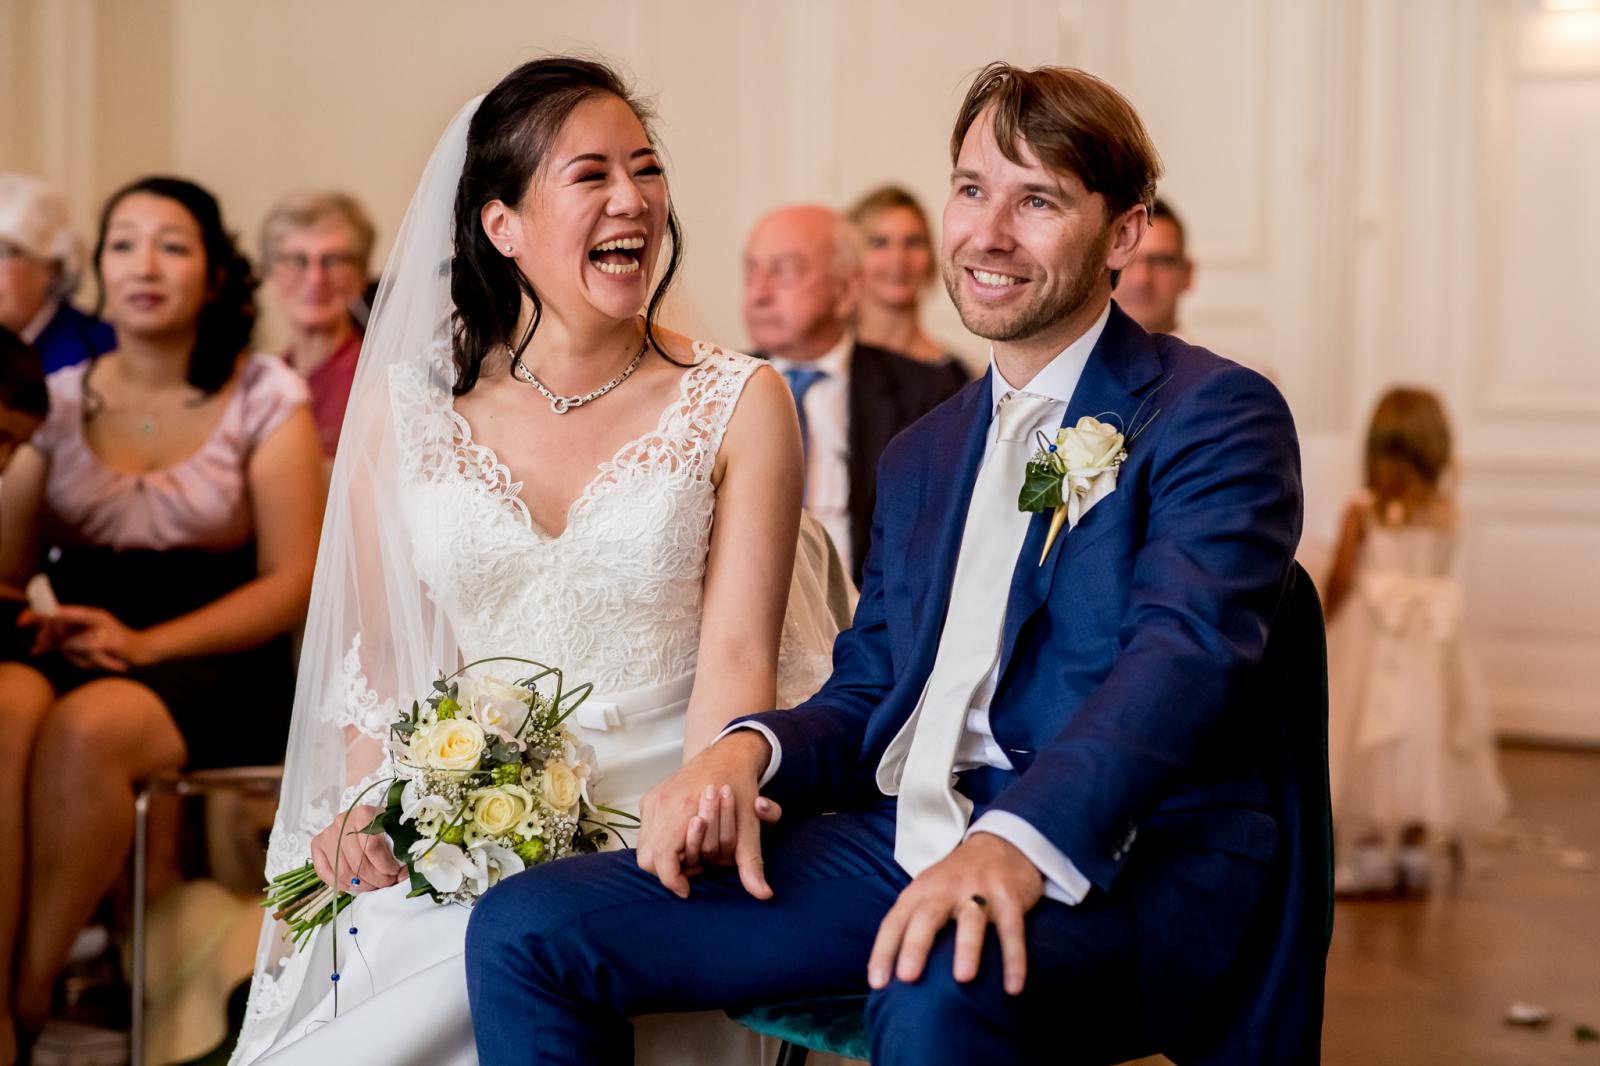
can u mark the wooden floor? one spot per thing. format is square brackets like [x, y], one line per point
[1430, 981]
[1424, 982]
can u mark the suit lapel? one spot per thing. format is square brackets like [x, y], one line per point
[957, 452]
[1123, 362]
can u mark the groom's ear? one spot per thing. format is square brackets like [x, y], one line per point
[1127, 230]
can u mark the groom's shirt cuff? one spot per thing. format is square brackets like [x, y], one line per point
[772, 738]
[1063, 882]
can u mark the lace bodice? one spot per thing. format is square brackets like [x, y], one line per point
[615, 598]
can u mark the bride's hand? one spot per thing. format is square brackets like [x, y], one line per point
[713, 833]
[366, 862]
[729, 816]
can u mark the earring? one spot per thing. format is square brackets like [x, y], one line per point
[508, 249]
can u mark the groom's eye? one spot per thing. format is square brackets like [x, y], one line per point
[1038, 203]
[969, 191]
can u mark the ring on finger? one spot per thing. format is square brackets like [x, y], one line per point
[982, 904]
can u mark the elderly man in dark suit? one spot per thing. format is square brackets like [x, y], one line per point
[801, 277]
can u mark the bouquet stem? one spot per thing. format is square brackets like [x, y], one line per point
[303, 902]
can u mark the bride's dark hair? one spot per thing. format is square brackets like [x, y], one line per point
[510, 135]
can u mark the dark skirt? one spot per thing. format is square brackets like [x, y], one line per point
[232, 709]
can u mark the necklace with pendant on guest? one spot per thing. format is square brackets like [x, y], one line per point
[562, 404]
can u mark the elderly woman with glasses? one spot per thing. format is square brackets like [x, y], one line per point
[39, 266]
[316, 248]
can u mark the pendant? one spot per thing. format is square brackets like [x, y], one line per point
[148, 425]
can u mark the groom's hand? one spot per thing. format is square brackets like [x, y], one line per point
[720, 786]
[984, 880]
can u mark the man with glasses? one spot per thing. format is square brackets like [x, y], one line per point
[316, 248]
[1161, 272]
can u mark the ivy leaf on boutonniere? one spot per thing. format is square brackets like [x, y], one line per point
[1041, 489]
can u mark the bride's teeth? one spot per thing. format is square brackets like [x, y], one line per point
[622, 244]
[994, 279]
[617, 268]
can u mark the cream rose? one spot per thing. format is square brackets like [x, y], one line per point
[454, 744]
[561, 786]
[1089, 447]
[497, 811]
[499, 706]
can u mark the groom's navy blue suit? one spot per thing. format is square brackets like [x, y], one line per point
[1146, 748]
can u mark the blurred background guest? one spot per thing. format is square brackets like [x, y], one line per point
[897, 266]
[39, 264]
[802, 277]
[317, 247]
[24, 399]
[172, 497]
[24, 402]
[1411, 744]
[1152, 286]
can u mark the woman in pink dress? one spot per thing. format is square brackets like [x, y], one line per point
[173, 500]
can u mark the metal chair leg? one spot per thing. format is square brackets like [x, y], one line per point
[141, 841]
[263, 780]
[792, 1054]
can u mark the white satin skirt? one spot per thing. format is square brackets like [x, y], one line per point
[402, 992]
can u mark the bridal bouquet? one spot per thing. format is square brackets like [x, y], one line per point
[487, 781]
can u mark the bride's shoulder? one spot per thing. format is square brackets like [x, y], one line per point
[689, 352]
[736, 372]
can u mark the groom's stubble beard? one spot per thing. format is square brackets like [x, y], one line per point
[1048, 306]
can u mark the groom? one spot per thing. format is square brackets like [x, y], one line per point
[1035, 809]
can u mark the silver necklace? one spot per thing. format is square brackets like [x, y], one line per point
[562, 404]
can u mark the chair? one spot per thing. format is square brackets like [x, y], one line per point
[261, 780]
[834, 1025]
[1296, 664]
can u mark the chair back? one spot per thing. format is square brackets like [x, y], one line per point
[1273, 1010]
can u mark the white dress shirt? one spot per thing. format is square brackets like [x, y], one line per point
[1064, 882]
[827, 404]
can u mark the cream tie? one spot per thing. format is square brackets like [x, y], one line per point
[919, 762]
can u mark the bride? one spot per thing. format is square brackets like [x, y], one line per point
[532, 466]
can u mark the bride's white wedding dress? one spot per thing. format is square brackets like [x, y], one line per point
[429, 560]
[615, 599]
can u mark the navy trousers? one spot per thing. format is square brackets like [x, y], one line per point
[560, 956]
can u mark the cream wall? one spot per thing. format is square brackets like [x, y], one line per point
[1376, 190]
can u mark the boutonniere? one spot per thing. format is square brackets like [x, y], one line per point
[1077, 469]
[1072, 473]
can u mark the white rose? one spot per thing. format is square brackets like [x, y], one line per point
[1089, 447]
[561, 786]
[499, 706]
[500, 810]
[454, 744]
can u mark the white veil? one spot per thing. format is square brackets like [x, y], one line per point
[372, 627]
[373, 633]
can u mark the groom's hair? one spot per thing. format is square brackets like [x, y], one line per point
[1074, 122]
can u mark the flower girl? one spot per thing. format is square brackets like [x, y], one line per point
[1411, 748]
